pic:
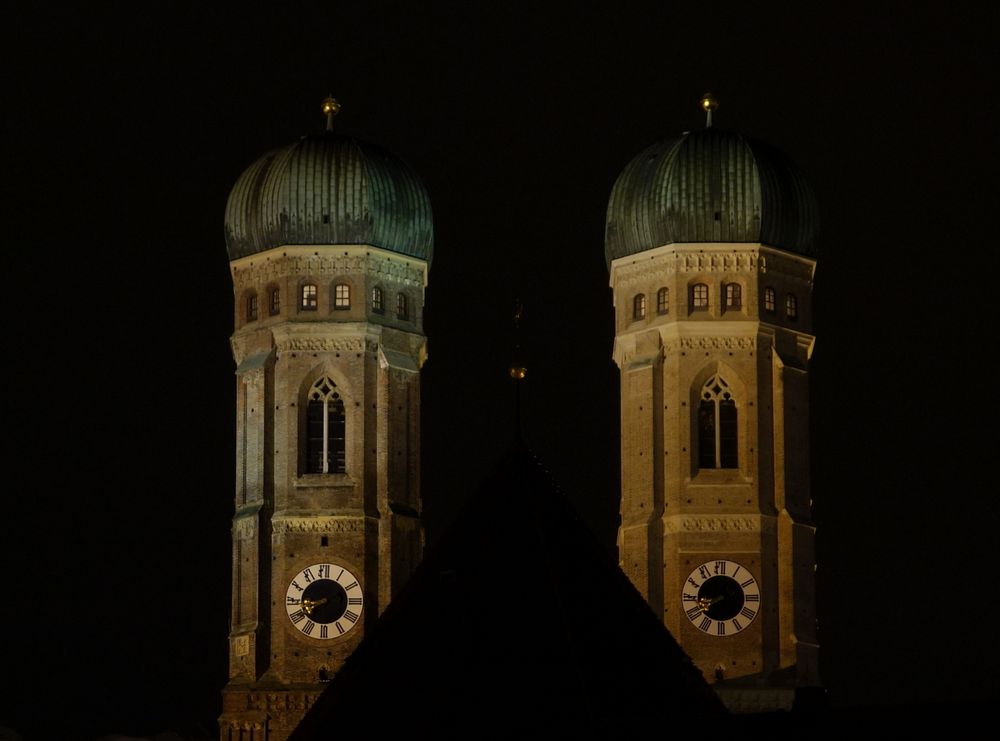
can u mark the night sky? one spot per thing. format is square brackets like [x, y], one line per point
[125, 130]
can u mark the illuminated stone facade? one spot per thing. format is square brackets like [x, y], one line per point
[696, 323]
[363, 513]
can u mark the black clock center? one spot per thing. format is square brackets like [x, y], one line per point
[724, 595]
[326, 600]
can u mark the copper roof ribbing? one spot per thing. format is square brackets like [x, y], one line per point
[710, 186]
[329, 189]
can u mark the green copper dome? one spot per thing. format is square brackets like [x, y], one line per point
[710, 186]
[329, 189]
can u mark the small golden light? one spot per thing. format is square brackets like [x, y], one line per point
[518, 372]
[709, 103]
[331, 108]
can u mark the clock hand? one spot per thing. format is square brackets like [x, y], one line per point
[309, 604]
[705, 602]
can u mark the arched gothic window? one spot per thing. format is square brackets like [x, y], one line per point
[252, 307]
[275, 306]
[718, 435]
[402, 307]
[663, 301]
[378, 301]
[325, 429]
[699, 296]
[639, 306]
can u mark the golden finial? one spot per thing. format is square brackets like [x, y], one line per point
[331, 108]
[709, 103]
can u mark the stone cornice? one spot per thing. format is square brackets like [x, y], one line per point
[663, 263]
[350, 337]
[736, 336]
[328, 261]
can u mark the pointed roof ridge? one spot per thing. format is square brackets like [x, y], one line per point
[517, 619]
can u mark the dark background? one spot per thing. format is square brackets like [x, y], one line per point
[126, 126]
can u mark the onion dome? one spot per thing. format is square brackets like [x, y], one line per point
[710, 186]
[329, 189]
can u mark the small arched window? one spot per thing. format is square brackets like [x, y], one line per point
[734, 295]
[310, 297]
[718, 434]
[252, 307]
[378, 300]
[325, 429]
[402, 307]
[663, 301]
[699, 296]
[341, 297]
[791, 306]
[275, 302]
[639, 307]
[769, 300]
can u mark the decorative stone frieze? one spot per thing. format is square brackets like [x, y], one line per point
[325, 344]
[712, 524]
[660, 268]
[290, 524]
[712, 343]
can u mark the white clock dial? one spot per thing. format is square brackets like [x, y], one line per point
[324, 601]
[721, 598]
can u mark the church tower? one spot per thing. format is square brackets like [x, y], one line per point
[711, 245]
[330, 242]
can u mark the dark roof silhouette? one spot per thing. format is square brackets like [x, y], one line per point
[516, 621]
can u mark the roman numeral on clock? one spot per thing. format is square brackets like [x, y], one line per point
[705, 624]
[737, 625]
[324, 570]
[354, 600]
[323, 632]
[308, 627]
[747, 583]
[694, 612]
[747, 613]
[752, 597]
[297, 617]
[353, 617]
[350, 586]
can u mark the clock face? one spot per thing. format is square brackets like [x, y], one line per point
[324, 601]
[721, 598]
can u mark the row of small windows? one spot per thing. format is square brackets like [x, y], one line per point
[309, 301]
[732, 298]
